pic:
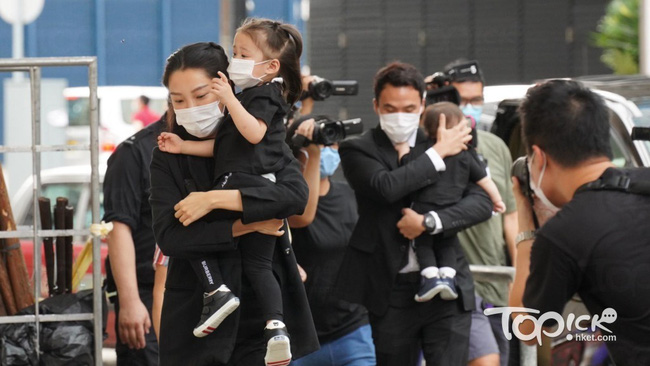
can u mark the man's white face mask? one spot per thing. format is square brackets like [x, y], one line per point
[537, 187]
[399, 126]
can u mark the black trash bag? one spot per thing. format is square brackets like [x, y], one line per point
[17, 344]
[61, 343]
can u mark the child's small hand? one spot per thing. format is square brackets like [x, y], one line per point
[499, 207]
[222, 89]
[402, 149]
[170, 142]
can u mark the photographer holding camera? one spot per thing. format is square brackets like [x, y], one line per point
[485, 243]
[320, 236]
[598, 244]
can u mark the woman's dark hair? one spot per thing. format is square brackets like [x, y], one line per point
[206, 56]
[399, 74]
[283, 42]
[431, 116]
[566, 120]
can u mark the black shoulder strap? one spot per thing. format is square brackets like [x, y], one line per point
[619, 181]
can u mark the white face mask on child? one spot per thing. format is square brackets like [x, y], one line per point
[200, 121]
[241, 73]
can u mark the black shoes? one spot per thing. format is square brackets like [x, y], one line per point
[216, 308]
[278, 345]
[430, 287]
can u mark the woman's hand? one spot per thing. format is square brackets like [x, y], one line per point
[269, 227]
[170, 142]
[223, 90]
[451, 141]
[303, 274]
[193, 207]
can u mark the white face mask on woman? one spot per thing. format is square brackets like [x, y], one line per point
[241, 73]
[200, 121]
[399, 126]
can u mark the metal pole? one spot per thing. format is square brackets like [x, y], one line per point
[94, 191]
[644, 37]
[18, 38]
[47, 61]
[35, 87]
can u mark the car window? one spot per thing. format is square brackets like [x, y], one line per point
[644, 120]
[78, 111]
[623, 150]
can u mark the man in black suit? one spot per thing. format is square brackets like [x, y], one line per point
[380, 270]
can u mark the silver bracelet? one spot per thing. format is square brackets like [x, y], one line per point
[525, 235]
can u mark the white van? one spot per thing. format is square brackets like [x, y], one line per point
[117, 104]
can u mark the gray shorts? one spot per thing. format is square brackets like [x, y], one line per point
[486, 335]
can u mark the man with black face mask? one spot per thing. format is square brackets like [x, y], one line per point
[598, 244]
[380, 269]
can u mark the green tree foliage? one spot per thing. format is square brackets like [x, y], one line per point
[618, 36]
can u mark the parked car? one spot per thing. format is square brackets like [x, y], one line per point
[501, 118]
[72, 182]
[116, 107]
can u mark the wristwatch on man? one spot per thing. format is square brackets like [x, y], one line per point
[429, 222]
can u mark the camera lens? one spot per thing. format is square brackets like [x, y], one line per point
[520, 170]
[321, 89]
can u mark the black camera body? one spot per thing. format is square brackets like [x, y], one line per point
[329, 132]
[641, 133]
[326, 131]
[520, 171]
[321, 89]
[445, 93]
[439, 88]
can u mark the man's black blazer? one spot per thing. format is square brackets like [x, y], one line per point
[377, 250]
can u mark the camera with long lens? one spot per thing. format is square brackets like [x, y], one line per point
[439, 88]
[520, 171]
[321, 89]
[326, 131]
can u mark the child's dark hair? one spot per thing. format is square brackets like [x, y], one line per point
[431, 117]
[283, 42]
[206, 56]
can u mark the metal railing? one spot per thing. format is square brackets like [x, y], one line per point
[527, 354]
[33, 66]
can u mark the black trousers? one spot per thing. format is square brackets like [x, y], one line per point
[256, 253]
[435, 251]
[147, 356]
[438, 327]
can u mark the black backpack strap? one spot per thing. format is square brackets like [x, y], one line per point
[618, 181]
